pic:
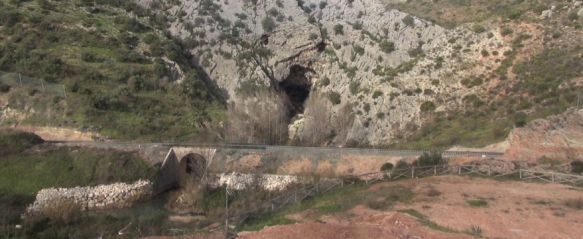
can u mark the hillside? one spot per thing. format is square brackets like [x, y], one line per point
[413, 74]
[116, 63]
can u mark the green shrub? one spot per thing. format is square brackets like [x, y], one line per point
[427, 106]
[358, 49]
[334, 97]
[477, 28]
[387, 46]
[387, 167]
[377, 94]
[477, 202]
[577, 167]
[575, 203]
[13, 141]
[338, 29]
[325, 81]
[430, 159]
[409, 21]
[354, 87]
[268, 24]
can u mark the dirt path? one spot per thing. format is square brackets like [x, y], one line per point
[59, 134]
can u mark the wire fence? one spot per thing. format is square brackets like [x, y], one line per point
[301, 193]
[17, 80]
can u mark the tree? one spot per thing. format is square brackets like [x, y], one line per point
[258, 119]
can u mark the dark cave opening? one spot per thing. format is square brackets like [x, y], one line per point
[297, 87]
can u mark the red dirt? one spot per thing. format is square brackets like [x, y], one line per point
[514, 210]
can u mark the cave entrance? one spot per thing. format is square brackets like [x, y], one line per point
[297, 87]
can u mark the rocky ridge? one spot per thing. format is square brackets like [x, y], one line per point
[388, 67]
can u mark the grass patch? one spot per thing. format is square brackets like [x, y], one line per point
[335, 201]
[575, 203]
[425, 221]
[477, 202]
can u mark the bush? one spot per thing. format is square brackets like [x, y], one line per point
[377, 94]
[12, 141]
[401, 165]
[387, 167]
[477, 202]
[4, 88]
[409, 21]
[325, 81]
[477, 28]
[577, 167]
[427, 106]
[575, 203]
[334, 97]
[430, 159]
[268, 24]
[387, 46]
[354, 87]
[338, 29]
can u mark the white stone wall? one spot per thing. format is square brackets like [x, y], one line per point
[269, 182]
[117, 195]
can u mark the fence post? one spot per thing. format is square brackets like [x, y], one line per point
[20, 79]
[489, 170]
[389, 175]
[552, 177]
[412, 171]
[459, 170]
[434, 170]
[520, 173]
[64, 91]
[42, 84]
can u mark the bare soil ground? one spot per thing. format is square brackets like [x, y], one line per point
[59, 134]
[506, 209]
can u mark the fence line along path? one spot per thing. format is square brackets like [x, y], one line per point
[300, 194]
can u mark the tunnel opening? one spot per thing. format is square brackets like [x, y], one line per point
[297, 86]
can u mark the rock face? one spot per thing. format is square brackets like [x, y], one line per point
[117, 195]
[269, 182]
[381, 64]
[557, 137]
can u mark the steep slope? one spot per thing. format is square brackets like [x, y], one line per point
[360, 72]
[103, 65]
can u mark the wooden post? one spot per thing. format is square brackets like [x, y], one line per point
[489, 171]
[389, 175]
[42, 84]
[412, 171]
[459, 169]
[434, 170]
[520, 173]
[552, 177]
[20, 79]
[227, 212]
[64, 91]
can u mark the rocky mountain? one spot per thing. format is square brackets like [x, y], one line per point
[345, 71]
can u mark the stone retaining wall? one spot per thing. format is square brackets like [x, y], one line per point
[117, 195]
